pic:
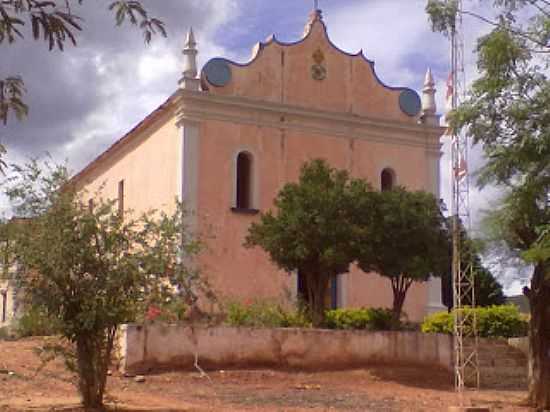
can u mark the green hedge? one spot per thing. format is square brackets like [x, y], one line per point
[265, 314]
[262, 314]
[492, 322]
[364, 318]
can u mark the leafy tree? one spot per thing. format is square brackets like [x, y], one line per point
[56, 23]
[90, 270]
[541, 249]
[507, 111]
[314, 229]
[487, 288]
[408, 242]
[11, 93]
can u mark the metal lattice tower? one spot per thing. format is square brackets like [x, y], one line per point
[465, 324]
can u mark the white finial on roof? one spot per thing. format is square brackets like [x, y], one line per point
[189, 79]
[190, 42]
[429, 108]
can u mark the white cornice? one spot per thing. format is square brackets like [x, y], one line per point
[201, 106]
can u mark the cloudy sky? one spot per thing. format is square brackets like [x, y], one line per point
[85, 98]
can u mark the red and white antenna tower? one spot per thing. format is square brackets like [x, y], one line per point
[465, 323]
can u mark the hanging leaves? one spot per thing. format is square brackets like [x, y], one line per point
[11, 98]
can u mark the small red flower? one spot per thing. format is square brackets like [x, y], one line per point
[153, 312]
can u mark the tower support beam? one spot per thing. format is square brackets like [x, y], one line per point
[465, 323]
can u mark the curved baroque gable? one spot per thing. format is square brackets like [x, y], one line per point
[312, 73]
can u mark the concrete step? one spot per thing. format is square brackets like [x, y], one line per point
[501, 365]
[505, 362]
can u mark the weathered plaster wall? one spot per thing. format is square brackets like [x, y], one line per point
[520, 343]
[148, 164]
[156, 346]
[7, 303]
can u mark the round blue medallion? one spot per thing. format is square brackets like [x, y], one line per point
[409, 102]
[217, 72]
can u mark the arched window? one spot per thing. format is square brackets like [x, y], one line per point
[244, 181]
[387, 180]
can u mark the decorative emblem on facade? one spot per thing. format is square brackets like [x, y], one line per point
[318, 70]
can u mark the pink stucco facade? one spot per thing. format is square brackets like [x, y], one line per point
[283, 111]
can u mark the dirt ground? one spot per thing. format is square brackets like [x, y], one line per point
[25, 388]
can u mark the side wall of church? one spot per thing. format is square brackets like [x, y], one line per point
[148, 166]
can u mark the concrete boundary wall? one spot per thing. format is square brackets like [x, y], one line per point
[154, 347]
[520, 343]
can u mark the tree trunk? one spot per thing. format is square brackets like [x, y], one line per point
[317, 286]
[93, 360]
[398, 302]
[539, 338]
[400, 287]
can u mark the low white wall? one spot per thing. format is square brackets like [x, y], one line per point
[520, 343]
[158, 346]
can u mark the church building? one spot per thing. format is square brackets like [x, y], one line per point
[232, 135]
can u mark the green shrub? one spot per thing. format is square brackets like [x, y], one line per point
[492, 322]
[262, 314]
[265, 314]
[34, 322]
[440, 322]
[363, 318]
[502, 321]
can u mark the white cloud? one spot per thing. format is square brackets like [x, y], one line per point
[135, 82]
[85, 99]
[395, 34]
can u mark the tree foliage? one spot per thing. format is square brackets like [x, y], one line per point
[91, 270]
[541, 249]
[507, 111]
[11, 99]
[327, 220]
[313, 230]
[488, 291]
[56, 23]
[407, 241]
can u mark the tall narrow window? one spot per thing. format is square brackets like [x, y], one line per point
[90, 205]
[387, 180]
[121, 198]
[244, 181]
[4, 305]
